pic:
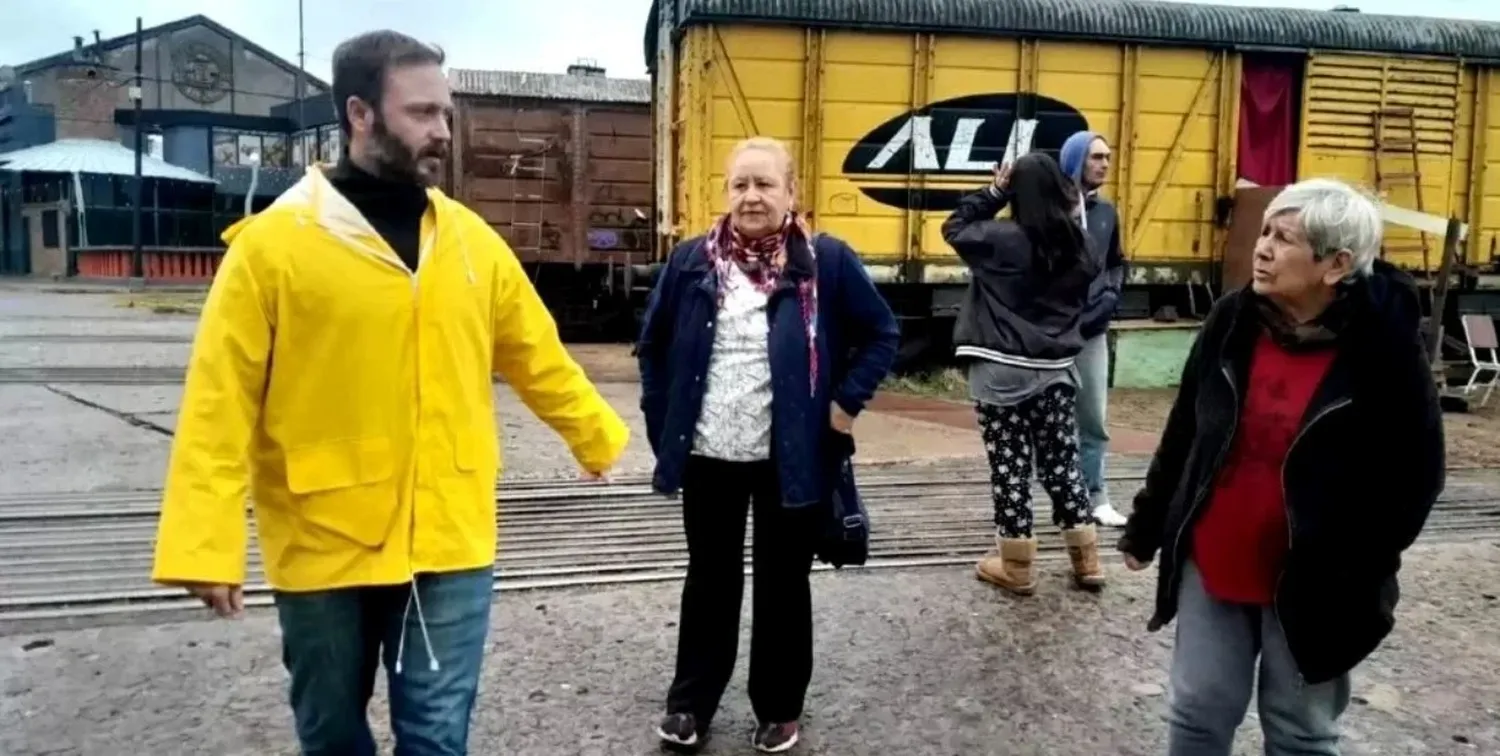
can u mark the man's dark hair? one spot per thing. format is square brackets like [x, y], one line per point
[361, 63]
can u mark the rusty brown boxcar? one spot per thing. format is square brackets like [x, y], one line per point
[560, 165]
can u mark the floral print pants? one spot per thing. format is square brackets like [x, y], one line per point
[1045, 426]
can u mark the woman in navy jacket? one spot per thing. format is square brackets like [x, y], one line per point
[759, 341]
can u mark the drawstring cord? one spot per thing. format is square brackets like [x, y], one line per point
[415, 597]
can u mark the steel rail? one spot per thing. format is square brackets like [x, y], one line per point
[581, 554]
[158, 601]
[87, 555]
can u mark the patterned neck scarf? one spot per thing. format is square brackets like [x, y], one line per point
[763, 261]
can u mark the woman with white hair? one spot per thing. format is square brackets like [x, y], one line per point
[1302, 456]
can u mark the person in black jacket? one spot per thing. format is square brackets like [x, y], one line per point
[1302, 456]
[1018, 330]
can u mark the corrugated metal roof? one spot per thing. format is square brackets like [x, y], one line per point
[1135, 20]
[547, 86]
[93, 156]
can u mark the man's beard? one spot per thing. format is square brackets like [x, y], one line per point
[395, 161]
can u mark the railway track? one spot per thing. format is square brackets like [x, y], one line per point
[90, 338]
[96, 375]
[72, 556]
[150, 375]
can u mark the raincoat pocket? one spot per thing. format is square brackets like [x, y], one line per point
[338, 486]
[473, 451]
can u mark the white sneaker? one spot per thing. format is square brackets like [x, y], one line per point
[1108, 517]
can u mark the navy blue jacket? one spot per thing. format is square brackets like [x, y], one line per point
[857, 339]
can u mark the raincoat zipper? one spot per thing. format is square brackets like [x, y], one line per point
[1203, 488]
[424, 248]
[1291, 523]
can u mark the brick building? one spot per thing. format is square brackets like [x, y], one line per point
[213, 103]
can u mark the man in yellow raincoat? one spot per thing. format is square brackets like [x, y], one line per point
[341, 375]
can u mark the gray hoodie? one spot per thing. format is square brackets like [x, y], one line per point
[1102, 222]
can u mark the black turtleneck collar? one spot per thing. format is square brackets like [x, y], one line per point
[394, 208]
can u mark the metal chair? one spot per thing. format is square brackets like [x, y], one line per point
[1479, 331]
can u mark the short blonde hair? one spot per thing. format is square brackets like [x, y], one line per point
[772, 145]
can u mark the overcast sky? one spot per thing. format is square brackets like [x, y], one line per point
[521, 35]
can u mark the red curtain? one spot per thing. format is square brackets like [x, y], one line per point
[1268, 121]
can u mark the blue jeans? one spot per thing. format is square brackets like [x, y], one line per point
[1214, 662]
[333, 641]
[1093, 401]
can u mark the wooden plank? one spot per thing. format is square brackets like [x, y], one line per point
[503, 213]
[618, 170]
[499, 118]
[506, 189]
[624, 123]
[620, 193]
[621, 148]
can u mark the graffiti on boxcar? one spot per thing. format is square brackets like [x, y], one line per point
[604, 238]
[619, 230]
[957, 138]
[551, 236]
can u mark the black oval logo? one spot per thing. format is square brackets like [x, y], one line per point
[958, 138]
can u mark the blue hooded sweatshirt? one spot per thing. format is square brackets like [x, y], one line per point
[1103, 225]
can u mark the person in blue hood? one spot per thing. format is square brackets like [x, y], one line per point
[1086, 157]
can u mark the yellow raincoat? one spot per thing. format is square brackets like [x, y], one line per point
[353, 399]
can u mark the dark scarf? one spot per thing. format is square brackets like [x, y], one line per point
[1319, 333]
[763, 261]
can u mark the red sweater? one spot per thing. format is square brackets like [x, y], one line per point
[1241, 539]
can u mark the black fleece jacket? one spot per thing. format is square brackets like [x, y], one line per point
[1359, 480]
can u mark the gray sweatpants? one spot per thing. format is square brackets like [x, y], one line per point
[1218, 649]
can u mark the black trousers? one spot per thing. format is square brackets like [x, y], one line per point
[716, 497]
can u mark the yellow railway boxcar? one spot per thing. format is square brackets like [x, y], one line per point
[896, 108]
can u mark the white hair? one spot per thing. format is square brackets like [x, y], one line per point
[1334, 216]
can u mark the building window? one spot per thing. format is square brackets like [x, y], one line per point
[226, 148]
[247, 148]
[321, 145]
[50, 237]
[274, 151]
[250, 149]
[330, 142]
[304, 143]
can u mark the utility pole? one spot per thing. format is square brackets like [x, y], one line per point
[301, 81]
[137, 264]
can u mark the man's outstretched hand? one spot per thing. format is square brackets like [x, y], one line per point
[227, 601]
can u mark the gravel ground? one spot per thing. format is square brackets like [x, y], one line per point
[916, 661]
[1473, 437]
[925, 662]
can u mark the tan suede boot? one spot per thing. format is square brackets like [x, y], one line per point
[1010, 568]
[1083, 552]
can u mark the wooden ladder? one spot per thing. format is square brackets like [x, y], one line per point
[1391, 123]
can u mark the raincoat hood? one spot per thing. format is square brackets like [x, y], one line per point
[314, 200]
